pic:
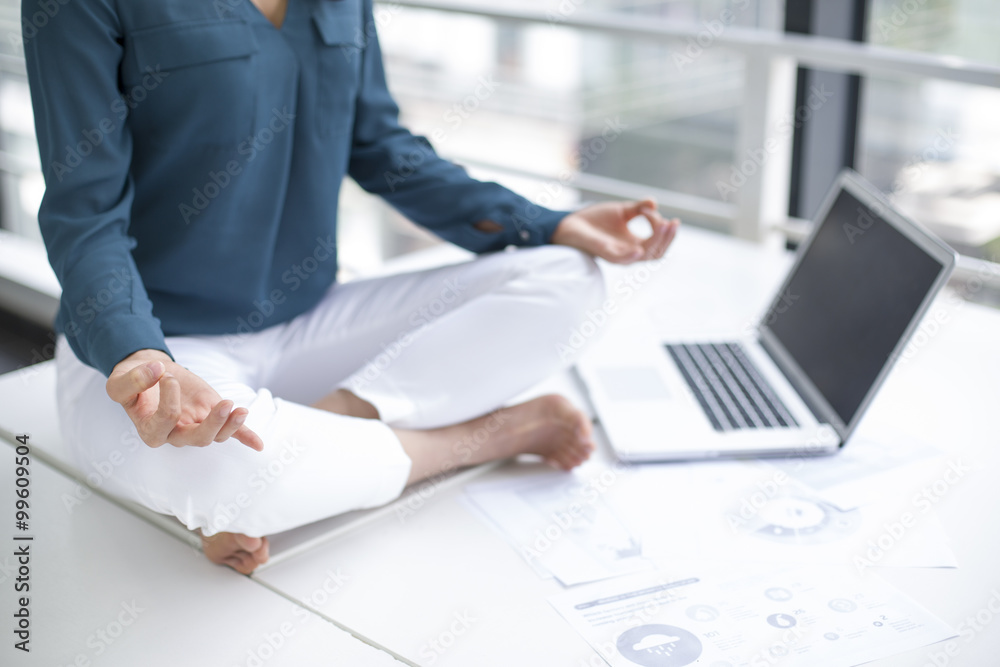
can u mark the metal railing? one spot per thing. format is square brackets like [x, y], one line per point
[771, 60]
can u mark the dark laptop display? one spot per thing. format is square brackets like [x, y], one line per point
[856, 289]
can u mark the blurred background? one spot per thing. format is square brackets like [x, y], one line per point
[570, 101]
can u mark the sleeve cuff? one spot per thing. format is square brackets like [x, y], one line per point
[103, 347]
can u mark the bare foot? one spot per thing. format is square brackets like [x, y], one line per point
[238, 551]
[552, 428]
[548, 426]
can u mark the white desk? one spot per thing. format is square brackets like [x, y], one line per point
[109, 589]
[411, 579]
[442, 576]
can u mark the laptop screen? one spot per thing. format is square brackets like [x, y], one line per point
[853, 294]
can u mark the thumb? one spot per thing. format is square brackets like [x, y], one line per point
[620, 252]
[637, 208]
[125, 387]
[607, 246]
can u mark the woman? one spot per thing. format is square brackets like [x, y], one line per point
[193, 154]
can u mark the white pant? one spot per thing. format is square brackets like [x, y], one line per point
[427, 349]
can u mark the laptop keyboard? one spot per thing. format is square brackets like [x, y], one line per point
[730, 389]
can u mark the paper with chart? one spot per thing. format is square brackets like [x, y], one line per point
[605, 521]
[752, 512]
[877, 464]
[802, 617]
[563, 524]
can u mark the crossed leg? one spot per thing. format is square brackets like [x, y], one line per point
[548, 426]
[531, 299]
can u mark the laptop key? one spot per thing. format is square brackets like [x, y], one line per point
[732, 393]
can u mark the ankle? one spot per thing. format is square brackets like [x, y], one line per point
[343, 402]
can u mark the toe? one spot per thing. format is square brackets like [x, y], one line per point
[263, 553]
[249, 544]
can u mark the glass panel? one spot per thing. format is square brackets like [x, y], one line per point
[965, 28]
[765, 14]
[550, 100]
[21, 183]
[932, 146]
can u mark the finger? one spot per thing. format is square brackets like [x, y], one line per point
[204, 433]
[264, 553]
[249, 438]
[240, 563]
[236, 419]
[606, 246]
[660, 229]
[247, 543]
[248, 562]
[668, 238]
[661, 240]
[637, 208]
[125, 387]
[160, 425]
[622, 253]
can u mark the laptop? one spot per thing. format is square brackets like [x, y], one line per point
[799, 381]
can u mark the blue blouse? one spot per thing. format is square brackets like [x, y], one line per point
[193, 155]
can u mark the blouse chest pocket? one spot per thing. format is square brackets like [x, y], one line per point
[343, 38]
[191, 84]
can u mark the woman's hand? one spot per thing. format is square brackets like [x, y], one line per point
[602, 230]
[170, 404]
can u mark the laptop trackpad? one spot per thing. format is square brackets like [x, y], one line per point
[633, 383]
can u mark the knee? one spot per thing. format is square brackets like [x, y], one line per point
[314, 465]
[573, 276]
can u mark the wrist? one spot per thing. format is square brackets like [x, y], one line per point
[140, 357]
[566, 231]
